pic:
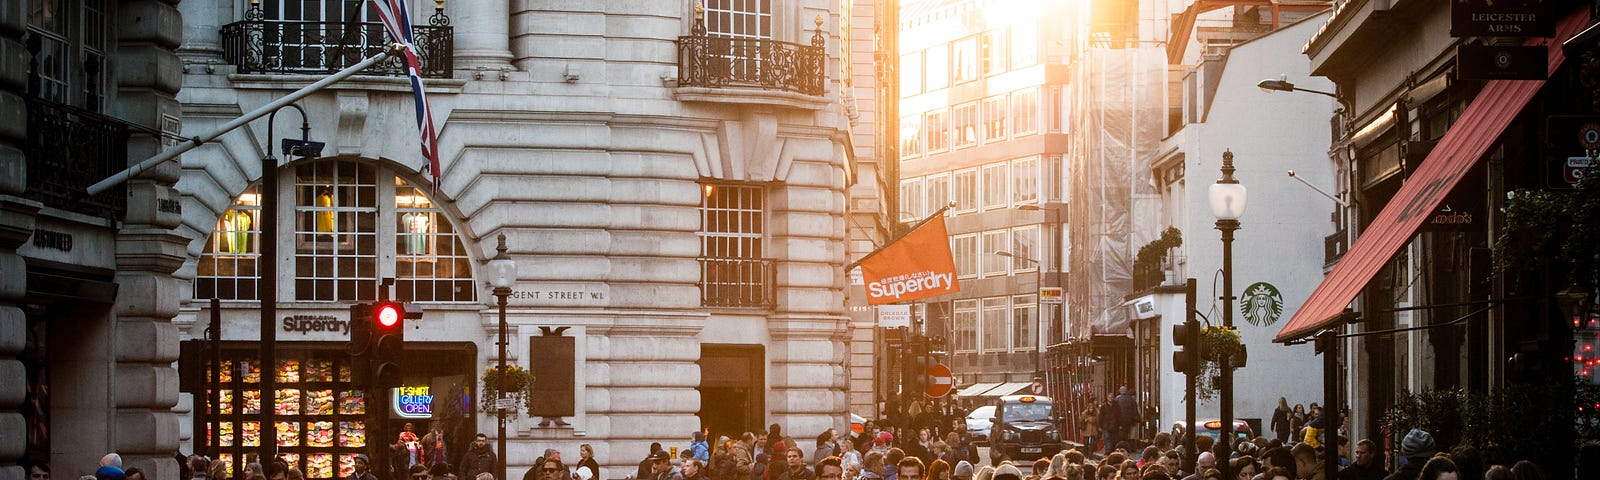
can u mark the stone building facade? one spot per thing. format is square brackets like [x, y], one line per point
[673, 181]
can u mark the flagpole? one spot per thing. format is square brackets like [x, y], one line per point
[913, 228]
[394, 49]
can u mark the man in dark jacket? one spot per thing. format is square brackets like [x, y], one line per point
[1368, 464]
[644, 465]
[1127, 413]
[478, 459]
[1416, 448]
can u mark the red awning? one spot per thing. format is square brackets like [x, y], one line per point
[1478, 128]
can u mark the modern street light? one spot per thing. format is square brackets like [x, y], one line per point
[1227, 204]
[1282, 85]
[502, 275]
[1038, 353]
[267, 291]
[1052, 212]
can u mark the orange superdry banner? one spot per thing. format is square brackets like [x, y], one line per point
[918, 265]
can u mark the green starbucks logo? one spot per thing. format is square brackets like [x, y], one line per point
[1261, 304]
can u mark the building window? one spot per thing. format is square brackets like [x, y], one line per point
[966, 326]
[936, 71]
[993, 49]
[911, 74]
[965, 250]
[227, 268]
[335, 231]
[938, 192]
[72, 38]
[751, 19]
[966, 190]
[1054, 108]
[966, 122]
[994, 325]
[911, 136]
[964, 60]
[1025, 112]
[995, 241]
[994, 186]
[910, 200]
[734, 269]
[1024, 316]
[1024, 44]
[430, 265]
[1053, 179]
[1024, 248]
[938, 131]
[352, 224]
[994, 119]
[1025, 180]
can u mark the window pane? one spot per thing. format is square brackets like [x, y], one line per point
[964, 59]
[937, 72]
[966, 326]
[966, 190]
[938, 131]
[227, 266]
[911, 136]
[994, 324]
[335, 230]
[428, 255]
[966, 125]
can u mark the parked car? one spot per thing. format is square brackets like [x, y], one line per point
[1213, 428]
[1024, 427]
[979, 422]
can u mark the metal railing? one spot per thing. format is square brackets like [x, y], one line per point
[737, 282]
[69, 148]
[1334, 246]
[707, 61]
[258, 45]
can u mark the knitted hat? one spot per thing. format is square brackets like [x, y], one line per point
[109, 472]
[1007, 471]
[1417, 444]
[963, 469]
[884, 437]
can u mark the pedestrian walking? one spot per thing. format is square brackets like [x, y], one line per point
[586, 462]
[661, 467]
[645, 465]
[795, 466]
[363, 469]
[478, 458]
[1416, 447]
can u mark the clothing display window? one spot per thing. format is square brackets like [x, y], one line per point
[321, 418]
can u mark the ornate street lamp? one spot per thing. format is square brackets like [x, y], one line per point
[1227, 204]
[502, 275]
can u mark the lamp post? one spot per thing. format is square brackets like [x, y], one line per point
[1038, 354]
[502, 275]
[1227, 204]
[1052, 214]
[267, 289]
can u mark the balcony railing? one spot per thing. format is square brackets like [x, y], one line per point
[69, 148]
[717, 62]
[257, 45]
[736, 282]
[1334, 246]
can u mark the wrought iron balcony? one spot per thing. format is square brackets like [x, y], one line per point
[737, 282]
[1334, 246]
[69, 148]
[258, 45]
[719, 62]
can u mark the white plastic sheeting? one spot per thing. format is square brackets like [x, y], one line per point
[1121, 124]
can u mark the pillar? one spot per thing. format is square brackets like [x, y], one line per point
[16, 225]
[482, 33]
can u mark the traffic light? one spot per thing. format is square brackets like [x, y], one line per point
[387, 348]
[919, 372]
[360, 345]
[1186, 347]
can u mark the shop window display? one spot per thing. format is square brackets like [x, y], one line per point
[321, 417]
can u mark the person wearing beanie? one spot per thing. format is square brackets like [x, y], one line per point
[1007, 471]
[109, 472]
[963, 471]
[1416, 448]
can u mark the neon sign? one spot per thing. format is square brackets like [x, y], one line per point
[412, 402]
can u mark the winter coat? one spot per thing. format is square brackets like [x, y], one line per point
[477, 461]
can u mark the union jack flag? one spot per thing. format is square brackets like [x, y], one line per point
[397, 21]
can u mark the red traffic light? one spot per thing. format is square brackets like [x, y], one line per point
[387, 314]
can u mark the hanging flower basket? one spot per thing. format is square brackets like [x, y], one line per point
[516, 382]
[1216, 341]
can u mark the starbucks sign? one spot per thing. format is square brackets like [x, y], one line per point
[1261, 304]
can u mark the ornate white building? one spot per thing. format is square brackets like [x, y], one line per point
[673, 181]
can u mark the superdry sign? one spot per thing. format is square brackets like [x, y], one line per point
[916, 266]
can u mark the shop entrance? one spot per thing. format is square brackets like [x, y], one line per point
[732, 389]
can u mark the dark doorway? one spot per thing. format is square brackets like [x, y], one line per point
[732, 389]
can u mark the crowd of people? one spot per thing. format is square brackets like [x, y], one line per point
[930, 448]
